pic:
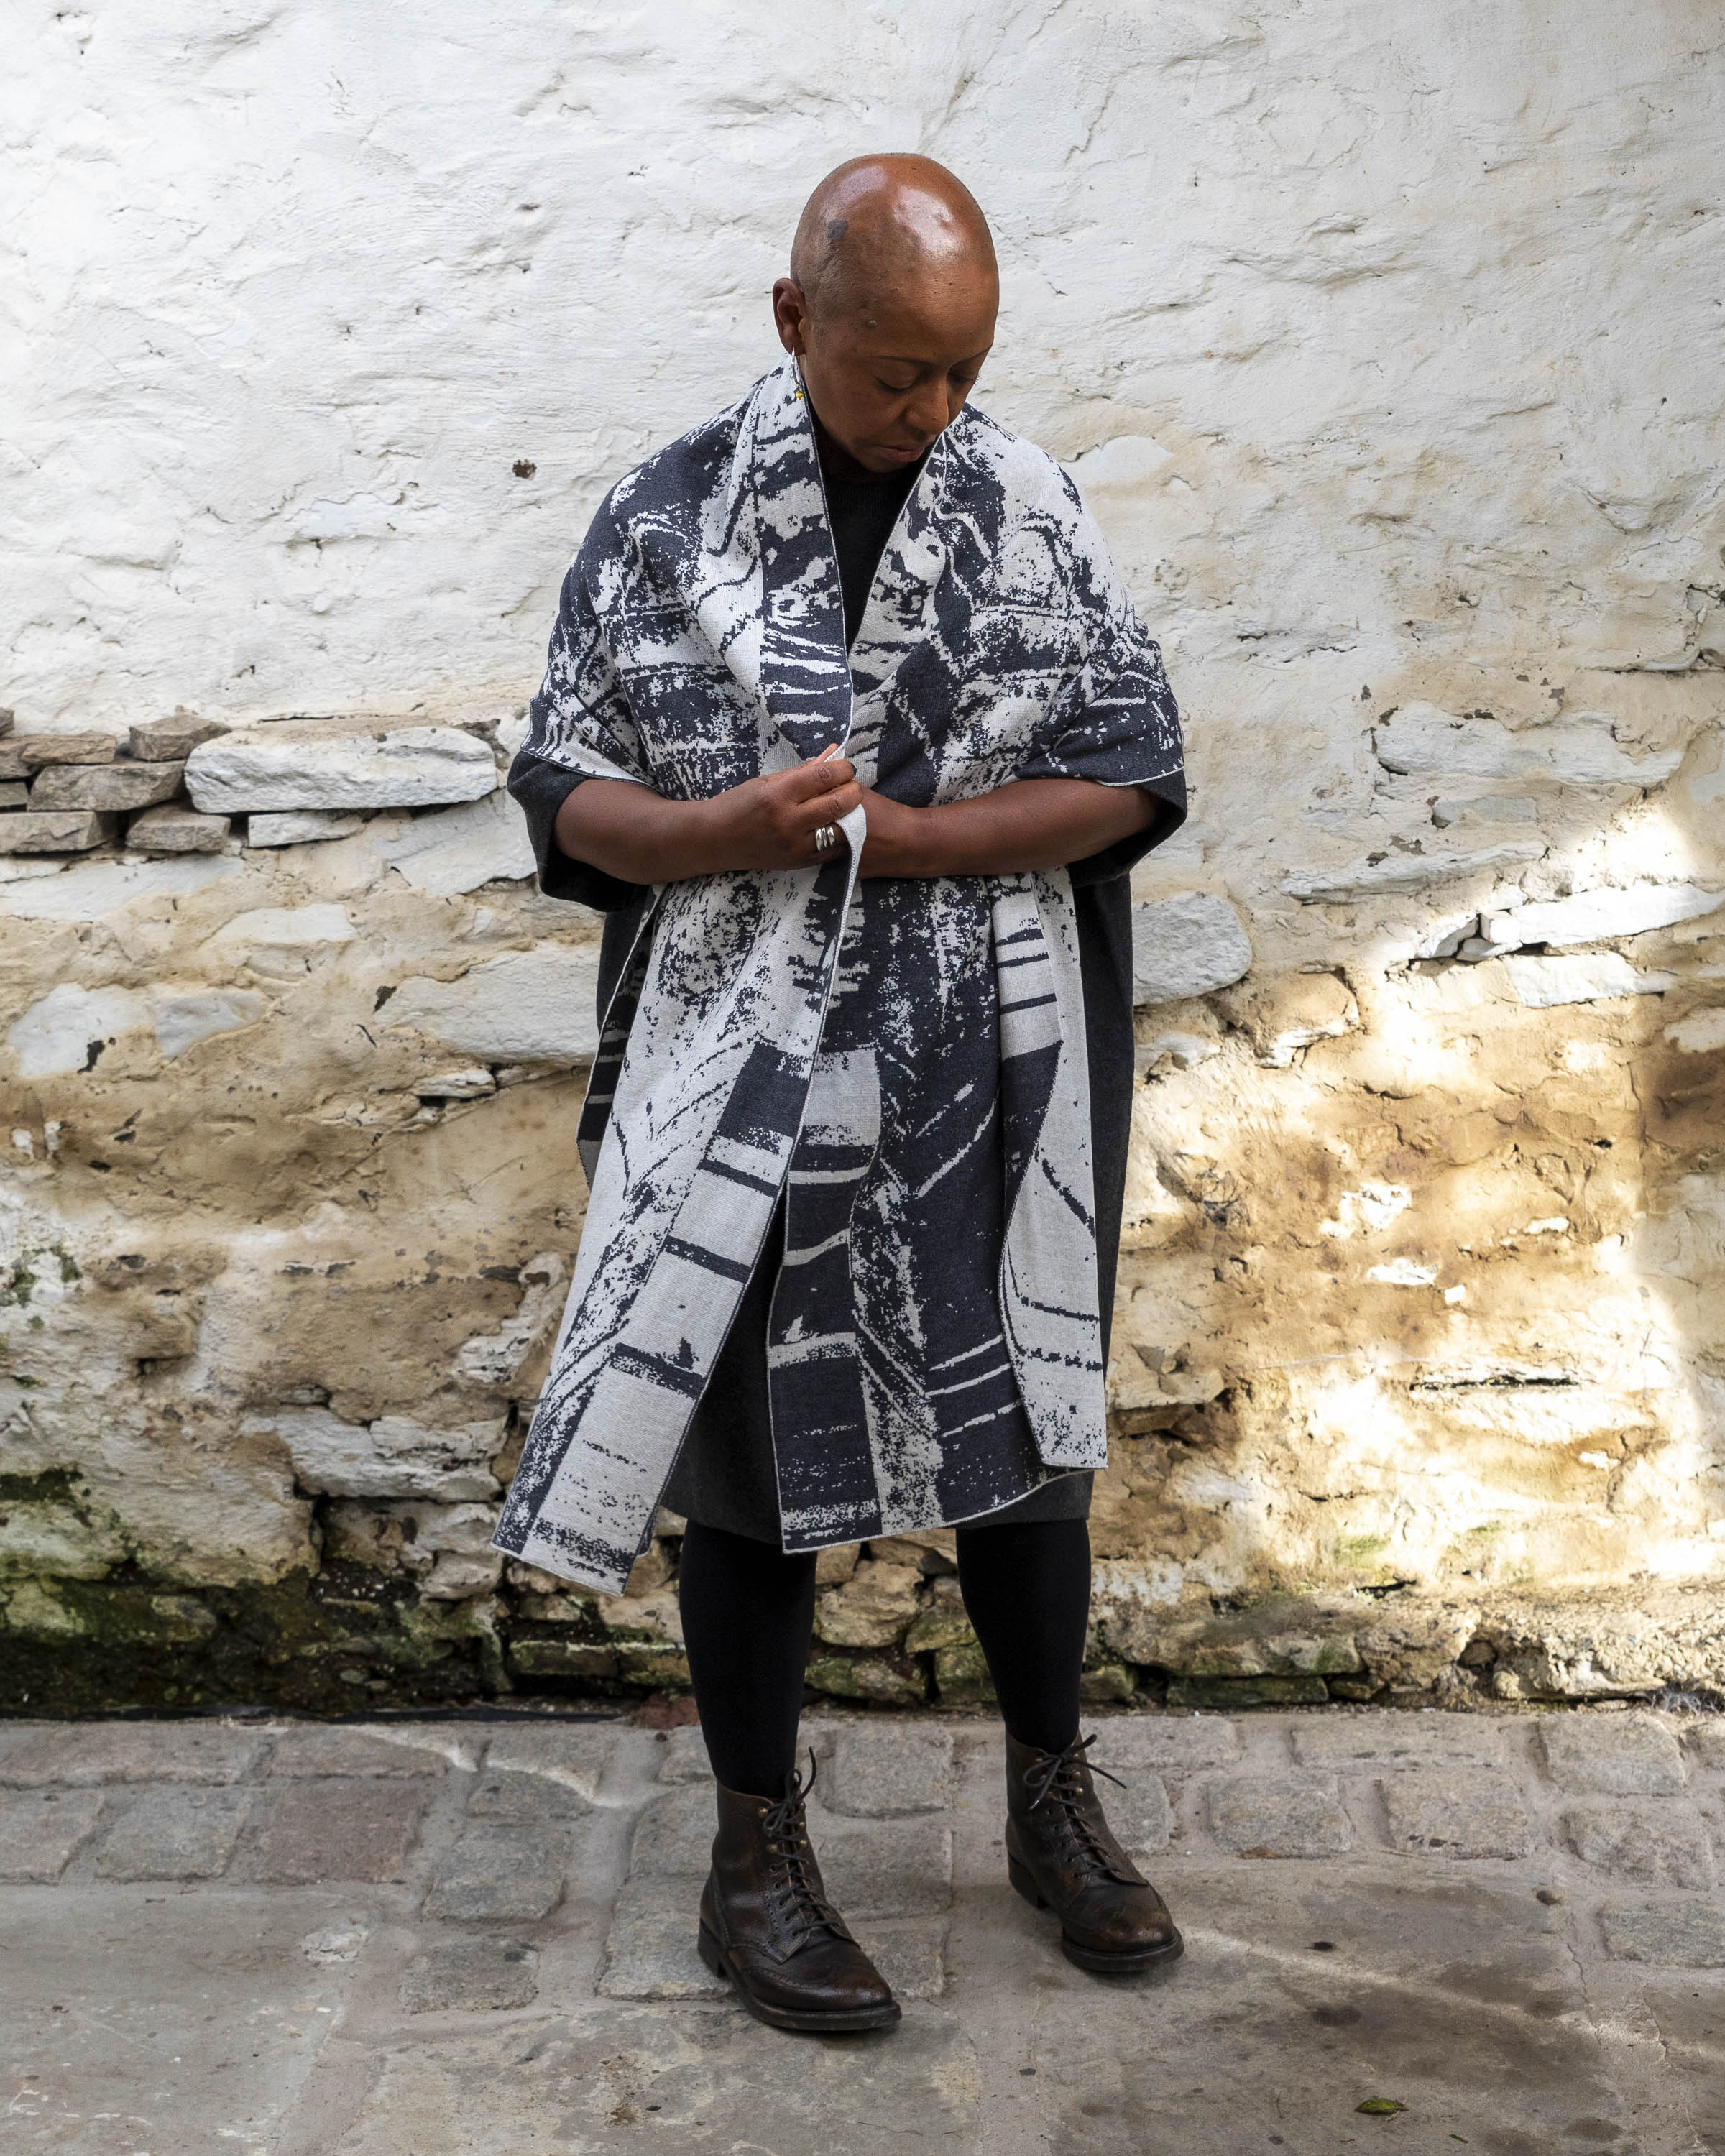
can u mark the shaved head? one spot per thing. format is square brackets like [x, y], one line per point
[890, 306]
[878, 229]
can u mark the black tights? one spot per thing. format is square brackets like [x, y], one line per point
[748, 1610]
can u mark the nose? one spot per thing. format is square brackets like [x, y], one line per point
[926, 411]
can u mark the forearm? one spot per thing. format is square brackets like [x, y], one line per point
[635, 835]
[1030, 823]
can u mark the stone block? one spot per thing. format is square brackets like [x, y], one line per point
[1189, 945]
[1599, 917]
[1705, 1740]
[471, 1976]
[1612, 1755]
[41, 1833]
[458, 850]
[575, 1660]
[309, 1749]
[1136, 1806]
[650, 1949]
[394, 1456]
[683, 1757]
[1663, 1844]
[300, 827]
[338, 764]
[673, 1838]
[1390, 1739]
[1685, 1934]
[1164, 1744]
[172, 739]
[890, 1770]
[859, 1677]
[1421, 741]
[500, 1874]
[175, 1834]
[55, 830]
[1108, 1684]
[833, 1566]
[544, 1773]
[961, 1676]
[535, 1006]
[177, 828]
[1588, 977]
[942, 1622]
[342, 1830]
[119, 786]
[932, 1551]
[77, 1754]
[1279, 1815]
[475, 1083]
[13, 792]
[22, 754]
[1460, 1814]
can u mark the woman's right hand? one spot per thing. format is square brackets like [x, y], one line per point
[768, 823]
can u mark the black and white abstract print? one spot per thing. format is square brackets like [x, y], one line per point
[904, 1059]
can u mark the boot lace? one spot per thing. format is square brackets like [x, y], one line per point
[800, 1906]
[1060, 1776]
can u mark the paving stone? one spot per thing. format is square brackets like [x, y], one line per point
[543, 1773]
[342, 1830]
[890, 1770]
[312, 1748]
[1686, 1934]
[1612, 1755]
[1692, 2035]
[1456, 1814]
[75, 1754]
[472, 1976]
[175, 1834]
[172, 739]
[1279, 1815]
[683, 1757]
[1139, 1813]
[1164, 1744]
[41, 1833]
[109, 786]
[512, 1874]
[1665, 1844]
[1386, 1739]
[177, 828]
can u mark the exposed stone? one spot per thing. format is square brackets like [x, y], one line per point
[932, 1551]
[14, 794]
[55, 830]
[22, 754]
[1456, 1814]
[300, 827]
[183, 1020]
[891, 1773]
[881, 1683]
[834, 1565]
[873, 1608]
[121, 786]
[1616, 1755]
[1542, 983]
[1232, 1695]
[1665, 1844]
[175, 1834]
[1281, 1017]
[1686, 1934]
[508, 1874]
[1390, 874]
[574, 1660]
[338, 764]
[1582, 750]
[280, 940]
[942, 1622]
[458, 850]
[392, 1457]
[41, 1833]
[537, 1006]
[1189, 945]
[98, 889]
[172, 739]
[471, 1976]
[1279, 1815]
[177, 828]
[1599, 917]
[961, 1677]
[342, 1830]
[474, 1084]
[130, 1752]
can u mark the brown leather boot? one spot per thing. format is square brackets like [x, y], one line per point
[767, 1926]
[1060, 1855]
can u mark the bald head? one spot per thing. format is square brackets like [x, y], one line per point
[886, 231]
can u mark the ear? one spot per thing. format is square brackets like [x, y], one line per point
[790, 315]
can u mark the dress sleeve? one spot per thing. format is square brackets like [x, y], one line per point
[1117, 721]
[581, 725]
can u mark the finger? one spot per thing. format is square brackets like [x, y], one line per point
[828, 808]
[807, 781]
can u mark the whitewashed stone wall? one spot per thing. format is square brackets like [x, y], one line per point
[1386, 346]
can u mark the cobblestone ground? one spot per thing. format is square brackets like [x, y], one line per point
[433, 1938]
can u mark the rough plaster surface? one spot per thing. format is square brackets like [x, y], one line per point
[1386, 350]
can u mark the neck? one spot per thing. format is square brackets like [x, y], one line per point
[836, 461]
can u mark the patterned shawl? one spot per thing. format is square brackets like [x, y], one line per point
[903, 1060]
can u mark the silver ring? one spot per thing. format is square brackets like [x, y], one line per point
[826, 838]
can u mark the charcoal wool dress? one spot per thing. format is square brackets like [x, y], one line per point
[856, 1149]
